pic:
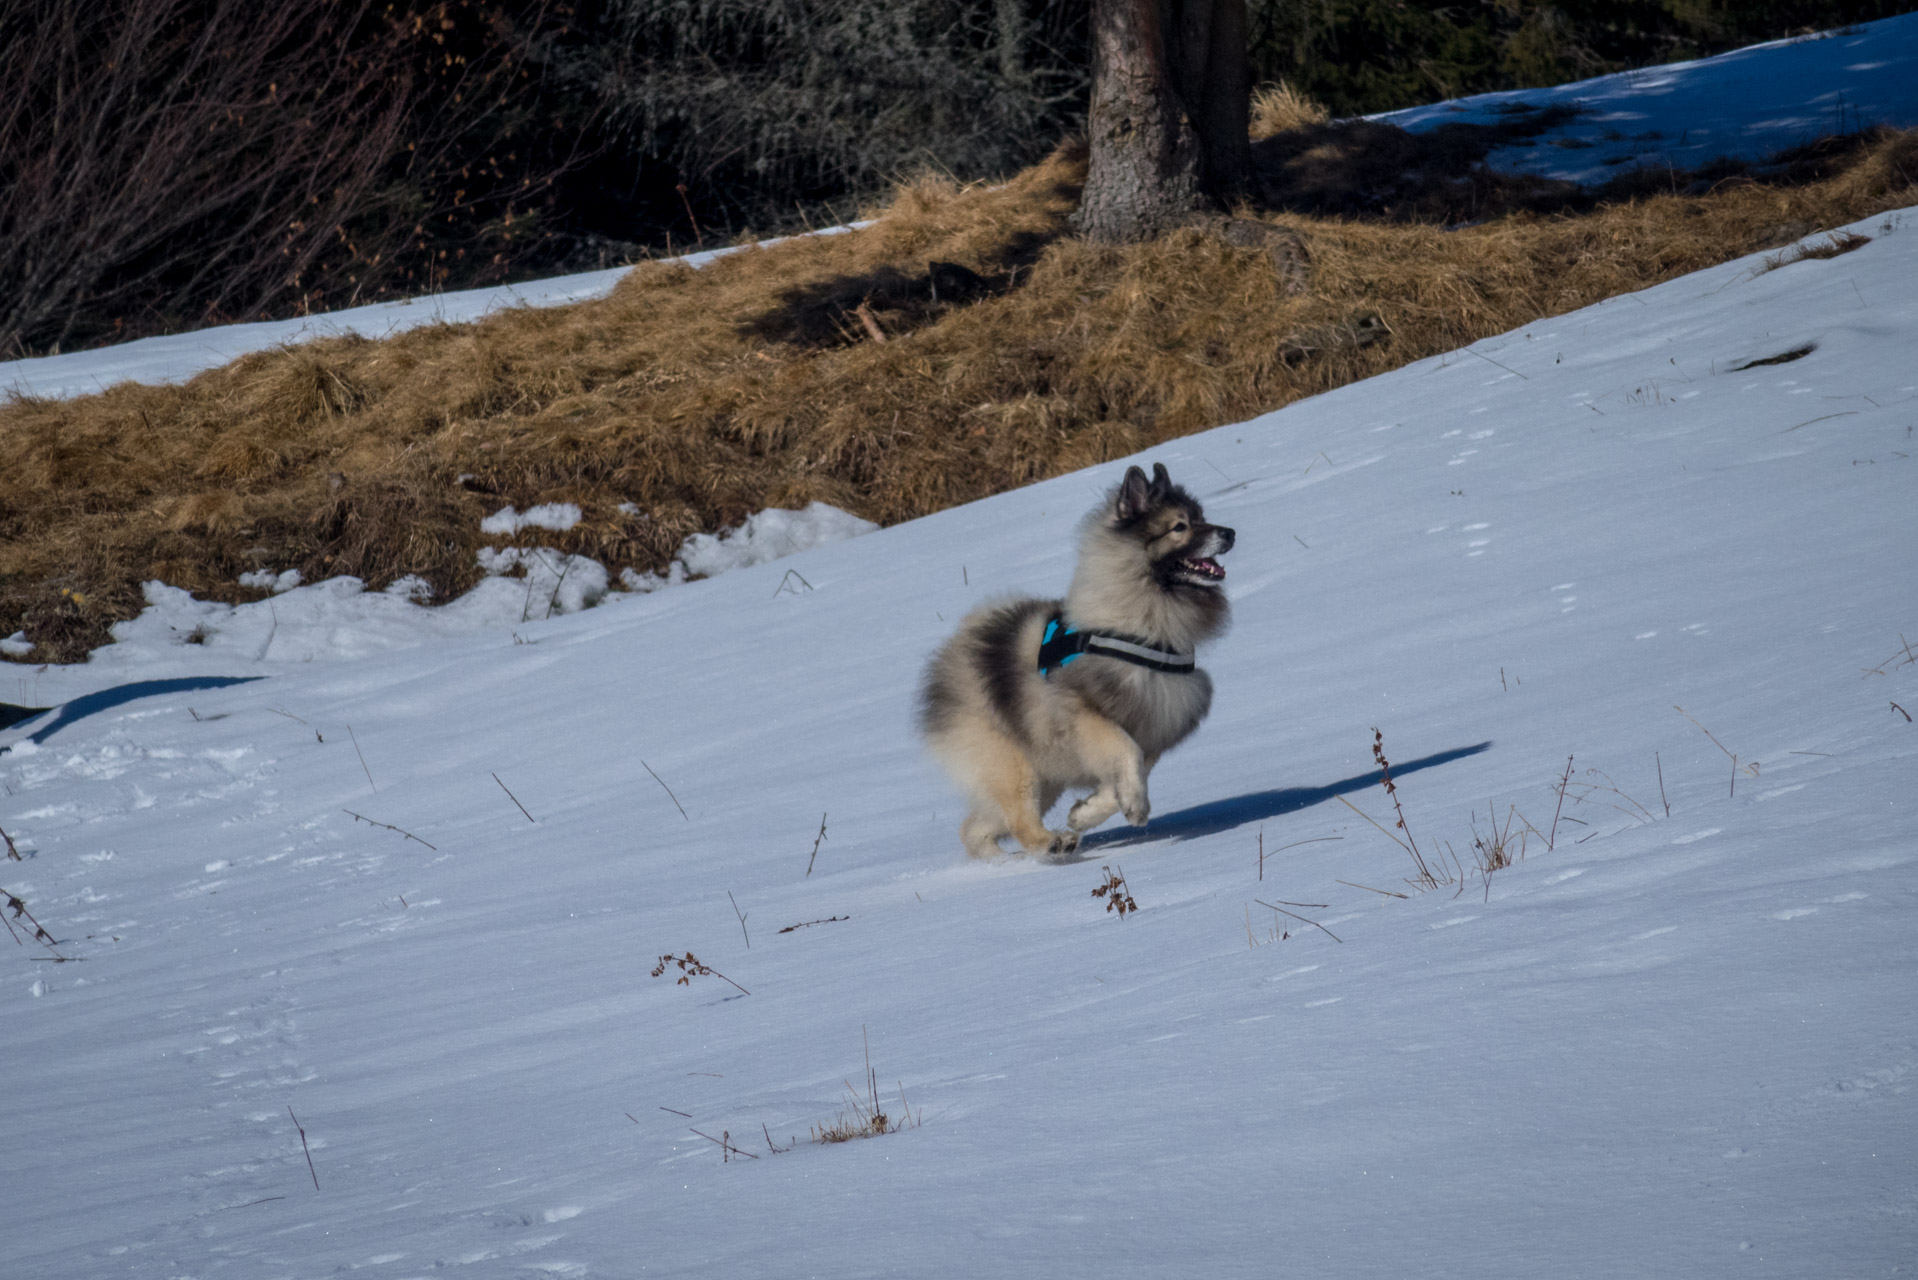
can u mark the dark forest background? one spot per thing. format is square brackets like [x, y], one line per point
[166, 164]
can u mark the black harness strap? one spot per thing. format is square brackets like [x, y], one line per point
[1062, 644]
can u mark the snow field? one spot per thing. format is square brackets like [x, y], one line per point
[1677, 1046]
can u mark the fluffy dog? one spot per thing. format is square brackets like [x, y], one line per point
[1031, 697]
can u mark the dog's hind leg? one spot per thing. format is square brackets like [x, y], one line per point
[1011, 785]
[980, 833]
[1005, 791]
[1116, 761]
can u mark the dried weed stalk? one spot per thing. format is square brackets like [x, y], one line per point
[1749, 766]
[1114, 892]
[1424, 877]
[1279, 932]
[725, 1144]
[689, 968]
[1903, 658]
[17, 910]
[867, 1120]
[1500, 846]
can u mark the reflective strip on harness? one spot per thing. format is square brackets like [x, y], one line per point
[1062, 644]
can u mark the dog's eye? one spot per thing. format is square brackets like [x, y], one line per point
[1179, 527]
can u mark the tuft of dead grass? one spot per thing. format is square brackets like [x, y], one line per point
[700, 396]
[1279, 108]
[868, 1118]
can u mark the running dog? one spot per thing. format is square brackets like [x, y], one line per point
[1031, 697]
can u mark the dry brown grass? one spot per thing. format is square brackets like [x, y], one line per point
[701, 396]
[1277, 108]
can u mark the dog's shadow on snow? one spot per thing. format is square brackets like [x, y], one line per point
[1223, 815]
[105, 699]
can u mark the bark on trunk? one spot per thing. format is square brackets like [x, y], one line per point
[1169, 121]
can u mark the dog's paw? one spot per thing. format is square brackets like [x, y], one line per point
[1063, 842]
[1138, 812]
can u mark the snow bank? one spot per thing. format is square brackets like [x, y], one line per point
[338, 619]
[1747, 104]
[769, 536]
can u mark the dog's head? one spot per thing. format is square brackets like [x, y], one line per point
[1168, 525]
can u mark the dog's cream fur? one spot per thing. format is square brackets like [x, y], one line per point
[1014, 740]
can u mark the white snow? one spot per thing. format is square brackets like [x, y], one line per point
[556, 516]
[1680, 1042]
[767, 536]
[338, 619]
[1747, 104]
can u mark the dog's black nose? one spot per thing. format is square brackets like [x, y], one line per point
[1226, 536]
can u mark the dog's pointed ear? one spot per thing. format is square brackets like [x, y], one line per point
[1134, 495]
[1161, 482]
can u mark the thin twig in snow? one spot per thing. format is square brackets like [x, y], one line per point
[1369, 889]
[815, 843]
[669, 791]
[20, 912]
[515, 799]
[1296, 916]
[1488, 360]
[390, 827]
[807, 924]
[726, 1146]
[362, 756]
[1552, 836]
[305, 1148]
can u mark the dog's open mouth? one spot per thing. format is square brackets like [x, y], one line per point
[1203, 568]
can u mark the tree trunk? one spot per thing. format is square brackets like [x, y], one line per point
[1169, 121]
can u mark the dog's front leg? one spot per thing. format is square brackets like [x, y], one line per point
[1112, 757]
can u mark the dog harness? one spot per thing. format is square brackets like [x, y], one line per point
[1062, 644]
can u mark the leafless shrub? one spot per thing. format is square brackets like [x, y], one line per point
[758, 104]
[130, 126]
[165, 163]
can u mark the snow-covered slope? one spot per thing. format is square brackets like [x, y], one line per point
[308, 921]
[1747, 105]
